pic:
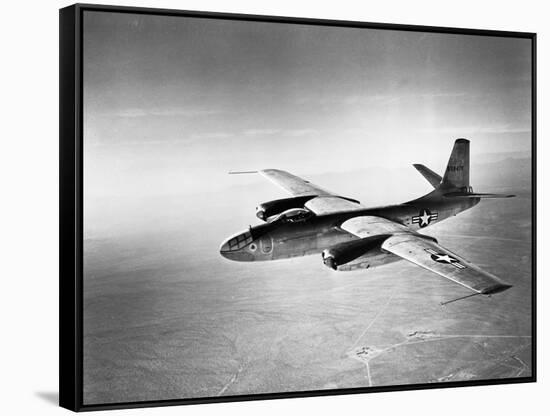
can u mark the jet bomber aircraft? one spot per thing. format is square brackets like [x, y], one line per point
[350, 236]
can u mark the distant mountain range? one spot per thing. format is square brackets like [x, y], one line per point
[510, 173]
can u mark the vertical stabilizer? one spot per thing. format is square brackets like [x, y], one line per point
[457, 174]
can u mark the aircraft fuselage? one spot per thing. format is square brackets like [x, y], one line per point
[281, 240]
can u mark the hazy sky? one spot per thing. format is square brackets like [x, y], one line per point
[171, 104]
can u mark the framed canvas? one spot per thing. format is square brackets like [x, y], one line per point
[257, 207]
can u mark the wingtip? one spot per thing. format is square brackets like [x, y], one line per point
[497, 289]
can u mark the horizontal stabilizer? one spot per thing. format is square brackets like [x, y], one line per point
[429, 174]
[475, 195]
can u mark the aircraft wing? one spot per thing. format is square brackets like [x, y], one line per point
[435, 258]
[370, 225]
[325, 201]
[426, 253]
[292, 184]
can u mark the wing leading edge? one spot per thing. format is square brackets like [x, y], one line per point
[325, 202]
[292, 184]
[426, 253]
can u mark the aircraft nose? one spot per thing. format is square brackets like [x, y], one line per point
[234, 248]
[224, 247]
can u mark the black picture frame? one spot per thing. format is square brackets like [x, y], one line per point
[71, 205]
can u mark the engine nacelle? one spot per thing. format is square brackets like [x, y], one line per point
[271, 208]
[343, 253]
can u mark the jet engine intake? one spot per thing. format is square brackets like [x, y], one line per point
[343, 253]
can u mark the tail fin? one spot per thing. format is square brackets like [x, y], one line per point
[456, 181]
[457, 174]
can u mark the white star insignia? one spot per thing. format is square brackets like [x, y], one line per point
[446, 258]
[425, 218]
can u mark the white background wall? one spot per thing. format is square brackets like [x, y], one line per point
[29, 205]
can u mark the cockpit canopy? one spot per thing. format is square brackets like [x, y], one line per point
[270, 209]
[292, 215]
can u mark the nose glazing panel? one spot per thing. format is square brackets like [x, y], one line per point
[238, 242]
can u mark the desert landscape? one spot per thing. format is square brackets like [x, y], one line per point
[166, 317]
